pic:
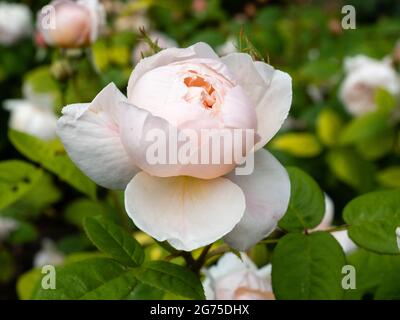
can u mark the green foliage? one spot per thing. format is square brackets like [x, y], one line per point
[308, 267]
[373, 219]
[328, 126]
[97, 278]
[51, 155]
[171, 278]
[16, 179]
[375, 273]
[349, 167]
[306, 206]
[115, 241]
[299, 144]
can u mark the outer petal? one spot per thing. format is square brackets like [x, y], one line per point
[188, 212]
[343, 238]
[269, 89]
[90, 134]
[267, 192]
[167, 56]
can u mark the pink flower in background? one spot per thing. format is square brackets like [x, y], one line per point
[235, 279]
[364, 77]
[15, 22]
[33, 115]
[190, 205]
[71, 24]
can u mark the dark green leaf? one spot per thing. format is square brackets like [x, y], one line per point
[308, 267]
[115, 241]
[52, 156]
[306, 206]
[16, 179]
[97, 278]
[171, 278]
[373, 219]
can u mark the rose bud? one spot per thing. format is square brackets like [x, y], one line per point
[71, 24]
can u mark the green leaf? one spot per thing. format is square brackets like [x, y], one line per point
[52, 156]
[350, 168]
[308, 267]
[384, 100]
[16, 179]
[389, 177]
[27, 282]
[328, 126]
[112, 239]
[302, 144]
[33, 202]
[306, 206]
[79, 210]
[92, 279]
[373, 219]
[365, 127]
[145, 292]
[25, 233]
[377, 146]
[171, 278]
[371, 269]
[7, 266]
[41, 81]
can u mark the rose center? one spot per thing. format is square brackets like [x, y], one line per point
[200, 88]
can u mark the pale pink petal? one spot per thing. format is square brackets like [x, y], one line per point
[189, 213]
[152, 144]
[167, 56]
[90, 134]
[270, 91]
[267, 192]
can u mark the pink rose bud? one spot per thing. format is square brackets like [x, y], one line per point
[71, 24]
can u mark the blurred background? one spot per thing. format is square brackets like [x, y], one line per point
[304, 38]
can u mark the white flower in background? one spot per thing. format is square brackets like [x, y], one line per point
[163, 41]
[235, 279]
[230, 46]
[15, 22]
[48, 255]
[7, 225]
[189, 205]
[364, 77]
[341, 236]
[33, 115]
[71, 24]
[398, 237]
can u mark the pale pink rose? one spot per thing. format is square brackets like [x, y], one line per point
[342, 235]
[33, 115]
[364, 77]
[143, 48]
[235, 279]
[15, 22]
[190, 205]
[71, 24]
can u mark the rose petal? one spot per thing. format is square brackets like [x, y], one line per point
[152, 144]
[167, 56]
[90, 134]
[267, 192]
[187, 212]
[269, 89]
